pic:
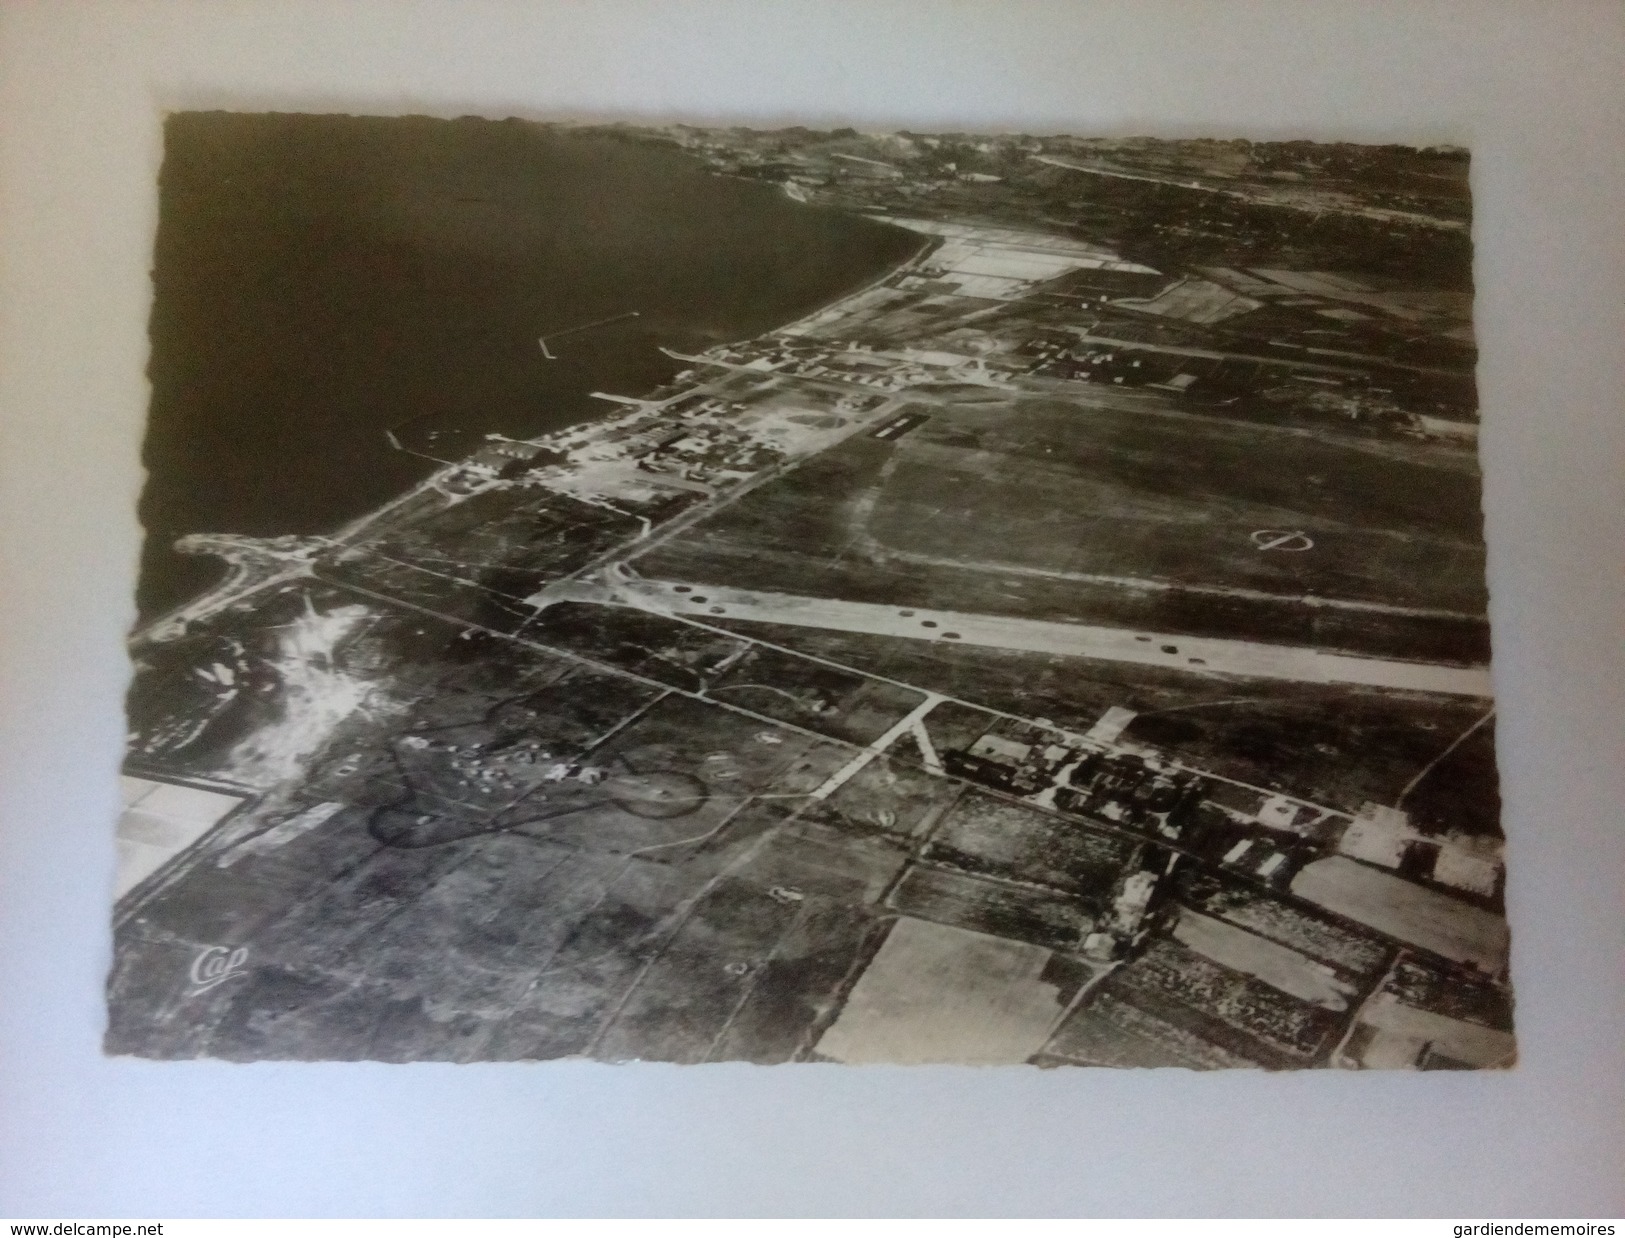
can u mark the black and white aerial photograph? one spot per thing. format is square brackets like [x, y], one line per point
[643, 592]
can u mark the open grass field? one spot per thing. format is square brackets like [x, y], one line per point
[1099, 511]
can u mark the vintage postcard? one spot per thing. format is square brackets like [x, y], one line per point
[711, 595]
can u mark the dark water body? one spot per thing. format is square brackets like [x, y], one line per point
[320, 279]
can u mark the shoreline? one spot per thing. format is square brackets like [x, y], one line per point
[238, 582]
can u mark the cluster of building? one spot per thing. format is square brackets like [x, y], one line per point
[484, 764]
[1136, 791]
[707, 446]
[699, 440]
[845, 363]
[1128, 921]
[1270, 839]
[1383, 835]
[1267, 837]
[1083, 362]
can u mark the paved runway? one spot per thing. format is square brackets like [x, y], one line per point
[1230, 657]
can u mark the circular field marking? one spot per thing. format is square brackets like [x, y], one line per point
[1282, 539]
[658, 793]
